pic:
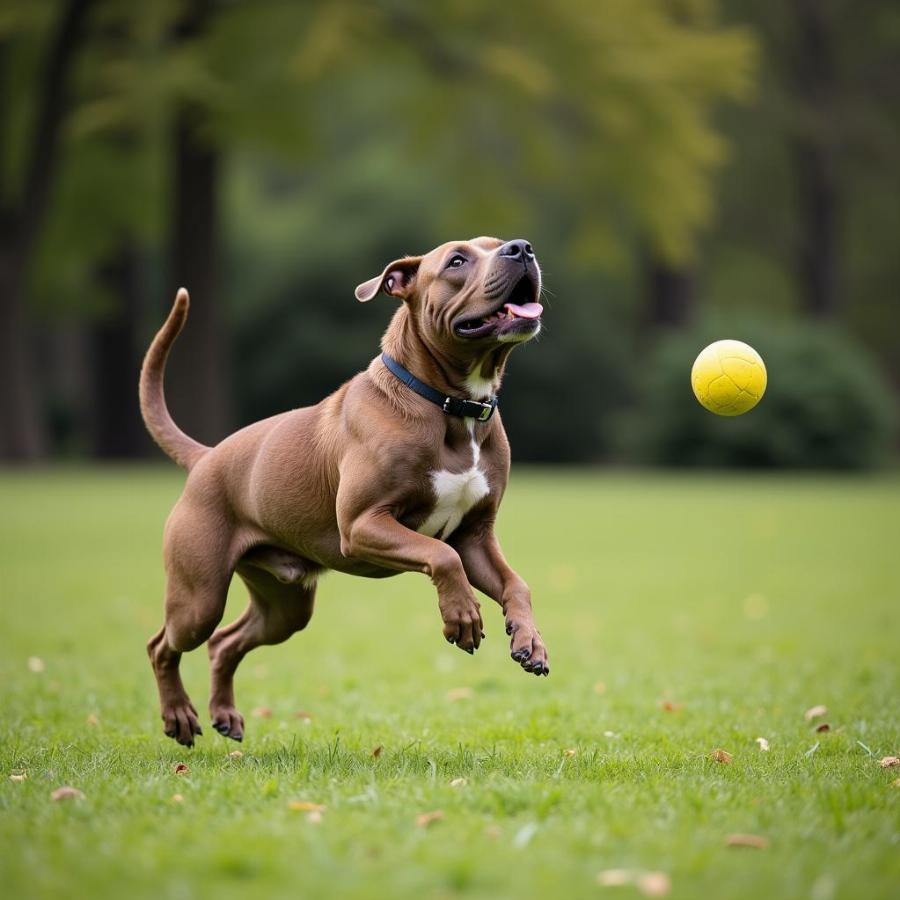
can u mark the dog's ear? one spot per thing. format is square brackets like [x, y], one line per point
[397, 279]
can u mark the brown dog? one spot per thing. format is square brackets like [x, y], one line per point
[376, 479]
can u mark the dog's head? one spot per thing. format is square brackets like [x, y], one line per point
[467, 296]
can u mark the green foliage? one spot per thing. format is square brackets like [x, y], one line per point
[825, 404]
[701, 590]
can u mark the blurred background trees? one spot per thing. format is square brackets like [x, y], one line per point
[683, 167]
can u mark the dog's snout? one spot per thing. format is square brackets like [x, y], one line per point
[517, 249]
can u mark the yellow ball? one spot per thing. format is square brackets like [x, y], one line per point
[728, 378]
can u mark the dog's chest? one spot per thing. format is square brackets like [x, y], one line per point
[455, 494]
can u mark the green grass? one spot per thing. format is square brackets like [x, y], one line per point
[746, 599]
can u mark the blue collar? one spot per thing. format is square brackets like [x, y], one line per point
[452, 406]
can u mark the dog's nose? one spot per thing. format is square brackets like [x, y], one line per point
[517, 249]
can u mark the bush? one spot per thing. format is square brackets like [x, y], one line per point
[826, 405]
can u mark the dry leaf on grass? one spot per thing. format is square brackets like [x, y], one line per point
[377, 751]
[235, 754]
[177, 798]
[763, 744]
[262, 712]
[305, 806]
[654, 884]
[425, 820]
[570, 752]
[93, 719]
[460, 693]
[615, 877]
[67, 793]
[303, 715]
[650, 884]
[19, 777]
[458, 782]
[896, 783]
[888, 762]
[669, 706]
[823, 727]
[815, 712]
[35, 664]
[720, 756]
[181, 769]
[756, 841]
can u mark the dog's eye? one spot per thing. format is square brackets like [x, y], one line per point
[456, 262]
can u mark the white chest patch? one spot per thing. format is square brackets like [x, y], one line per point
[456, 494]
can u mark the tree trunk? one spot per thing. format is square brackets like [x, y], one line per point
[22, 427]
[118, 432]
[669, 294]
[23, 431]
[815, 160]
[199, 395]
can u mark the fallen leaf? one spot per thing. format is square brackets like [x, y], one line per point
[305, 806]
[755, 841]
[458, 782]
[600, 688]
[235, 754]
[177, 798]
[35, 664]
[425, 820]
[823, 727]
[815, 712]
[763, 744]
[377, 751]
[669, 706]
[262, 712]
[654, 884]
[615, 877]
[93, 719]
[304, 715]
[570, 752]
[67, 793]
[314, 816]
[721, 756]
[460, 693]
[19, 777]
[181, 769]
[888, 762]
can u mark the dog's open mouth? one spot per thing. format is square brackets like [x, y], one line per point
[518, 314]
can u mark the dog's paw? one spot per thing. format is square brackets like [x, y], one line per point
[462, 623]
[180, 722]
[228, 722]
[526, 647]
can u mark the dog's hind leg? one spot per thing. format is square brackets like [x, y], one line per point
[198, 573]
[278, 608]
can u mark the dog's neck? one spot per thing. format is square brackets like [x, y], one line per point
[473, 378]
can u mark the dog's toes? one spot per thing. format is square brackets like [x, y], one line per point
[229, 723]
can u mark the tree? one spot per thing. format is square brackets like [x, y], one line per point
[22, 216]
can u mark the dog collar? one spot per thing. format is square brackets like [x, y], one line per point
[452, 406]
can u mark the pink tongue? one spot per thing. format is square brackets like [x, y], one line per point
[528, 311]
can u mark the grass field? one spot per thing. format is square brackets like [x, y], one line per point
[682, 613]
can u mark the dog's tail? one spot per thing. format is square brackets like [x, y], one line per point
[181, 448]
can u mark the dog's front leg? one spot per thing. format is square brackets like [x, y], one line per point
[377, 537]
[487, 570]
